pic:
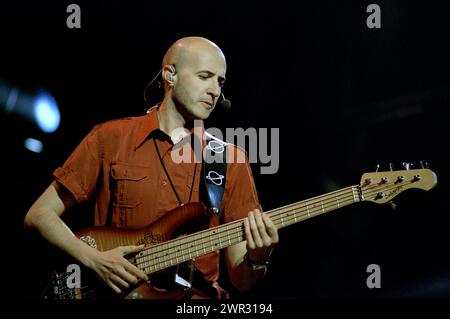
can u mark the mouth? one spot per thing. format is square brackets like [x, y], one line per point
[208, 105]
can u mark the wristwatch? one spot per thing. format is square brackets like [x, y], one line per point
[262, 264]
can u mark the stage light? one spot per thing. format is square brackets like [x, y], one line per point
[46, 113]
[33, 145]
[38, 108]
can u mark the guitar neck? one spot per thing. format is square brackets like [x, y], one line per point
[176, 251]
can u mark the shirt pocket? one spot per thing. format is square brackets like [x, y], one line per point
[129, 185]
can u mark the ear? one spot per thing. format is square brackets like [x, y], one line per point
[168, 73]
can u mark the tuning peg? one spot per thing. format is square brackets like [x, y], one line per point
[391, 166]
[406, 165]
[377, 167]
[424, 164]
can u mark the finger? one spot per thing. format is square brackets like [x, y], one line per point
[267, 241]
[136, 272]
[129, 278]
[125, 250]
[114, 287]
[248, 235]
[262, 230]
[118, 281]
[272, 230]
[254, 230]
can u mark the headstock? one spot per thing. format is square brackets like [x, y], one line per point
[382, 187]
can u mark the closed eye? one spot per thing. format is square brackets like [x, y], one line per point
[208, 75]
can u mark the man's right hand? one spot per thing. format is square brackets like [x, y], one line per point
[116, 271]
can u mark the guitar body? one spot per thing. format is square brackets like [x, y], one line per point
[182, 220]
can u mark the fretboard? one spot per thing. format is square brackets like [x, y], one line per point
[176, 251]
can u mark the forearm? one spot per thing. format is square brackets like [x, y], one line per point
[241, 274]
[52, 228]
[44, 217]
[244, 277]
[247, 260]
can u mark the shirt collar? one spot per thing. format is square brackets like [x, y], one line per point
[150, 123]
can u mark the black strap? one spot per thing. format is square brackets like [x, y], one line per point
[215, 172]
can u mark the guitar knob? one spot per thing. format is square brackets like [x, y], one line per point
[406, 165]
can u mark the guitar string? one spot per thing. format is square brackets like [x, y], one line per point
[287, 219]
[290, 206]
[230, 236]
[308, 203]
[200, 239]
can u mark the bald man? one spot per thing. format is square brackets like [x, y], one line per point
[124, 166]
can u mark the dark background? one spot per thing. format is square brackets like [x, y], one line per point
[344, 97]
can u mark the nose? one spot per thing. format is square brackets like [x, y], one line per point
[214, 91]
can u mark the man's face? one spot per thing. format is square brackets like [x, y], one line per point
[198, 84]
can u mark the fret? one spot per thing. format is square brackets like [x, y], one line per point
[203, 245]
[240, 232]
[193, 245]
[211, 239]
[176, 253]
[354, 196]
[169, 253]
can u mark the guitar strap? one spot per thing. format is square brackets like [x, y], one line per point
[212, 188]
[215, 172]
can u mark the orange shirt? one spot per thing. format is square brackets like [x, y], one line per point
[121, 154]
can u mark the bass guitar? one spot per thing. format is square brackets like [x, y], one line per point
[163, 252]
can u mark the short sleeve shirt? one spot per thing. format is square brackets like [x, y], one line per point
[117, 166]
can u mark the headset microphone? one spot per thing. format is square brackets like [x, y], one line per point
[148, 85]
[226, 104]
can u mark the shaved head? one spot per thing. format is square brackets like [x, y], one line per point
[187, 50]
[193, 70]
